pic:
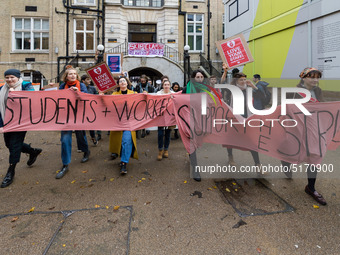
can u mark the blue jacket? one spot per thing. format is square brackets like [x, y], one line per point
[82, 87]
[24, 86]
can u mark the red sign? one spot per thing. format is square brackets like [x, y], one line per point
[101, 77]
[235, 51]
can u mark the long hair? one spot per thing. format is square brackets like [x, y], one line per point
[129, 86]
[64, 77]
[193, 75]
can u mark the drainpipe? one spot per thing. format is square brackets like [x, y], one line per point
[309, 38]
[208, 45]
[180, 12]
[103, 22]
[98, 24]
[67, 26]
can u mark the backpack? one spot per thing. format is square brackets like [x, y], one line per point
[266, 95]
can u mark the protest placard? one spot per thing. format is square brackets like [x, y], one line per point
[114, 62]
[234, 51]
[101, 77]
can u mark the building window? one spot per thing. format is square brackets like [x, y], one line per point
[223, 26]
[30, 34]
[143, 3]
[195, 31]
[237, 8]
[84, 2]
[84, 35]
[142, 33]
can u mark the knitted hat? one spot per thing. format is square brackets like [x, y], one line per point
[14, 72]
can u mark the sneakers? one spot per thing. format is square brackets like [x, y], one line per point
[33, 156]
[316, 195]
[123, 169]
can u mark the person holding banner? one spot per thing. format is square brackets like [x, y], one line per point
[240, 80]
[71, 80]
[123, 143]
[14, 140]
[164, 141]
[197, 85]
[309, 79]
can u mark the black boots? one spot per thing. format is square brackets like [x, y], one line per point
[86, 157]
[33, 156]
[62, 172]
[9, 176]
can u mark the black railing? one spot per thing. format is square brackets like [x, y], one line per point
[169, 53]
[209, 67]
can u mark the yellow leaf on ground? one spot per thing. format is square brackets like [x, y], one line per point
[57, 171]
[209, 188]
[73, 181]
[316, 206]
[106, 207]
[140, 181]
[14, 219]
[112, 179]
[64, 245]
[234, 183]
[143, 179]
[228, 190]
[185, 182]
[215, 187]
[116, 207]
[31, 210]
[37, 183]
[84, 172]
[235, 189]
[97, 206]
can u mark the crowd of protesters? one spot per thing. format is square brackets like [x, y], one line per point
[123, 144]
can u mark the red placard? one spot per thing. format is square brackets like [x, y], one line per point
[102, 77]
[234, 51]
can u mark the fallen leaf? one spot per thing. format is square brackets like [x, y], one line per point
[234, 183]
[215, 187]
[14, 219]
[64, 245]
[106, 207]
[112, 179]
[147, 203]
[116, 207]
[228, 190]
[235, 189]
[150, 179]
[37, 183]
[143, 179]
[84, 172]
[316, 206]
[51, 208]
[73, 181]
[57, 171]
[140, 181]
[209, 189]
[96, 206]
[258, 250]
[90, 180]
[185, 182]
[31, 210]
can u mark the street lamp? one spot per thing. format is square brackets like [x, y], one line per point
[100, 49]
[186, 64]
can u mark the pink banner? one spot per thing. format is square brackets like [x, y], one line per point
[294, 137]
[146, 49]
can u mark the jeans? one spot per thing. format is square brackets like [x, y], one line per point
[15, 143]
[163, 140]
[127, 145]
[66, 144]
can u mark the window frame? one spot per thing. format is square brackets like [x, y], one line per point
[195, 34]
[84, 32]
[75, 2]
[32, 31]
[134, 3]
[237, 9]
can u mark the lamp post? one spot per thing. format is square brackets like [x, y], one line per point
[100, 49]
[186, 64]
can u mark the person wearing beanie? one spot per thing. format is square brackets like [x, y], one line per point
[14, 140]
